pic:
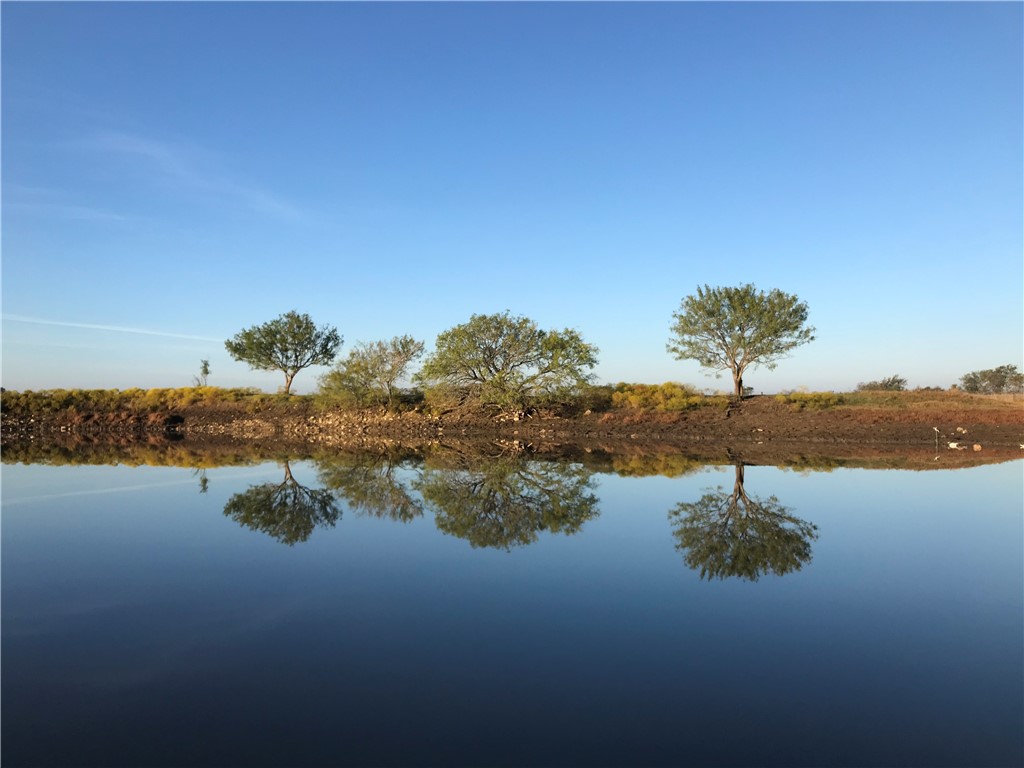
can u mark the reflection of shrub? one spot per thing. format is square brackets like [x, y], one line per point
[670, 396]
[662, 465]
[815, 400]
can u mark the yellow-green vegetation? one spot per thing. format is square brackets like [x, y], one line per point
[52, 401]
[135, 454]
[932, 398]
[918, 399]
[658, 464]
[814, 400]
[670, 396]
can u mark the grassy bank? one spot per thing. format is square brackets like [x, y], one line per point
[78, 405]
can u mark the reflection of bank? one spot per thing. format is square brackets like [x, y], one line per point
[507, 501]
[287, 511]
[738, 535]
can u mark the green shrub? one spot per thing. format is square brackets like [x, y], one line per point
[670, 397]
[893, 383]
[814, 400]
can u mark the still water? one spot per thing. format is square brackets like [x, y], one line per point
[511, 613]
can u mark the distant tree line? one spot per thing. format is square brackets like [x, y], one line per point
[994, 381]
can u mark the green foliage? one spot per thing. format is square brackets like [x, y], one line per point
[371, 372]
[994, 381]
[669, 396]
[594, 397]
[507, 501]
[814, 400]
[107, 401]
[288, 344]
[287, 511]
[371, 485]
[508, 362]
[737, 535]
[204, 374]
[736, 328]
[893, 383]
[655, 465]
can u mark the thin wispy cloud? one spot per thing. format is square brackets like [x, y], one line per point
[192, 170]
[99, 327]
[51, 203]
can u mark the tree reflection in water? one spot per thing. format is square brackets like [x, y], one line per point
[369, 485]
[506, 501]
[739, 535]
[288, 511]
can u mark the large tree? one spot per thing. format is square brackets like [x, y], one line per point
[508, 361]
[288, 344]
[371, 372]
[732, 329]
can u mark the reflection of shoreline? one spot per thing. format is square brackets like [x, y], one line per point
[630, 458]
[737, 535]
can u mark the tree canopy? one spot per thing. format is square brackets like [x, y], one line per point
[738, 535]
[287, 511]
[507, 501]
[369, 485]
[371, 372]
[288, 343]
[735, 328]
[508, 361]
[994, 381]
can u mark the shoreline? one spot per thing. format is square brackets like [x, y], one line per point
[761, 430]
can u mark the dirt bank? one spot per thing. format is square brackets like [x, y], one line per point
[758, 427]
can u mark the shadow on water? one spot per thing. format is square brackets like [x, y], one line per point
[734, 534]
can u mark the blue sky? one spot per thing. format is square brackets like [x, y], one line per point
[175, 172]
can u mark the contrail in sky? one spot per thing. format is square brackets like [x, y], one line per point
[96, 327]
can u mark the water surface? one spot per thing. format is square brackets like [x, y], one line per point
[511, 612]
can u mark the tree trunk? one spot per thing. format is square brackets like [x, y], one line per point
[288, 382]
[737, 380]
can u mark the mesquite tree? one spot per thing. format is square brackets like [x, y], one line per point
[287, 344]
[372, 371]
[735, 328]
[509, 362]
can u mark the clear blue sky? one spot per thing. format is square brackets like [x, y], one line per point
[175, 172]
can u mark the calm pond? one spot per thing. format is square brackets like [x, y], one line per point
[511, 612]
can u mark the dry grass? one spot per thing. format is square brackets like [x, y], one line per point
[926, 399]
